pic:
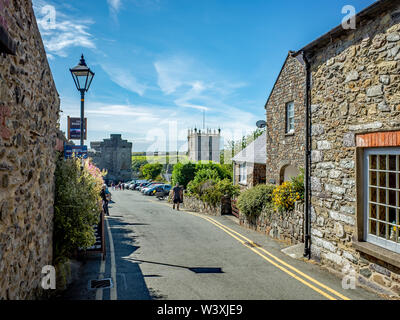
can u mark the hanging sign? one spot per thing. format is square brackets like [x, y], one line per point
[74, 129]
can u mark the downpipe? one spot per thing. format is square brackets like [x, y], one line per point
[307, 161]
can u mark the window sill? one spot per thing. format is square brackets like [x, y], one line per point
[380, 253]
[288, 134]
[243, 183]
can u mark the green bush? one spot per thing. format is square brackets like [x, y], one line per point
[151, 170]
[183, 173]
[298, 184]
[77, 206]
[222, 170]
[253, 201]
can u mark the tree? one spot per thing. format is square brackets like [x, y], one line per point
[151, 170]
[183, 173]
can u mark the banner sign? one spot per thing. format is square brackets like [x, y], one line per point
[74, 129]
[79, 151]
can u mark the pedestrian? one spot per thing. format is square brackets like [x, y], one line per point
[105, 200]
[177, 196]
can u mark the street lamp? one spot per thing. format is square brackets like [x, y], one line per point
[83, 77]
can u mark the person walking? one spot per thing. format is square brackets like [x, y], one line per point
[177, 196]
[105, 200]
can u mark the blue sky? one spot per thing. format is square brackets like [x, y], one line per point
[160, 63]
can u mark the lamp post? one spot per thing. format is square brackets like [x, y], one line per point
[83, 77]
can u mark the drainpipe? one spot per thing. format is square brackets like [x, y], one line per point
[307, 174]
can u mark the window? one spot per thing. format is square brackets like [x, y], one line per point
[290, 117]
[242, 173]
[382, 201]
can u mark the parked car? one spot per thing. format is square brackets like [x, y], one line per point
[151, 190]
[133, 186]
[163, 191]
[150, 185]
[143, 185]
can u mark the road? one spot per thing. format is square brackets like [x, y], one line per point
[155, 252]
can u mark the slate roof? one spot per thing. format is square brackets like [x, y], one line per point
[255, 152]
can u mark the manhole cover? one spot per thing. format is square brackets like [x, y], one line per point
[100, 284]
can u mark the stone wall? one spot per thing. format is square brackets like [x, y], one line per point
[285, 149]
[286, 226]
[355, 89]
[194, 204]
[29, 107]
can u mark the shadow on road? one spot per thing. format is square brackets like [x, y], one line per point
[130, 279]
[193, 269]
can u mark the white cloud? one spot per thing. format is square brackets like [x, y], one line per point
[114, 5]
[60, 31]
[124, 79]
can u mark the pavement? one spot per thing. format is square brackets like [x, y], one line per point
[155, 252]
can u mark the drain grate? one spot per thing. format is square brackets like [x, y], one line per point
[100, 284]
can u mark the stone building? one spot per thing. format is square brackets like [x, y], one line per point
[249, 164]
[29, 112]
[204, 146]
[113, 155]
[355, 118]
[285, 110]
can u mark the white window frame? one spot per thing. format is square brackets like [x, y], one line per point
[243, 173]
[374, 239]
[289, 117]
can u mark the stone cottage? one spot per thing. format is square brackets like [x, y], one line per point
[285, 123]
[249, 164]
[29, 111]
[355, 144]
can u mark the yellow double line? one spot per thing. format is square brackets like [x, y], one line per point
[280, 264]
[275, 261]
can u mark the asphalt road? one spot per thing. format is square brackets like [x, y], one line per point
[155, 252]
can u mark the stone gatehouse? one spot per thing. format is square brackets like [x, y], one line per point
[29, 111]
[115, 156]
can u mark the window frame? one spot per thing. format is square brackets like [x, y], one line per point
[370, 238]
[289, 118]
[243, 173]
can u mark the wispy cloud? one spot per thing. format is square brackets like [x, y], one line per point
[192, 84]
[60, 31]
[124, 79]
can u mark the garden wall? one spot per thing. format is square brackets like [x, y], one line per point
[194, 204]
[286, 226]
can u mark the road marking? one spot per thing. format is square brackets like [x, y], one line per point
[113, 290]
[99, 292]
[274, 263]
[284, 263]
[253, 246]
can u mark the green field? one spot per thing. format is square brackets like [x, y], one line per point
[163, 159]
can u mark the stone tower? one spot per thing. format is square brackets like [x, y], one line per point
[204, 145]
[113, 155]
